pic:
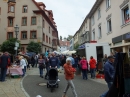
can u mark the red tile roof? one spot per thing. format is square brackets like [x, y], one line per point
[64, 43]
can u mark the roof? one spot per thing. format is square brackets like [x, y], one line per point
[64, 43]
[43, 14]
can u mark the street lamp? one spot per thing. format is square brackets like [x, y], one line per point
[16, 28]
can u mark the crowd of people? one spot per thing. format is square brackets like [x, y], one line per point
[61, 62]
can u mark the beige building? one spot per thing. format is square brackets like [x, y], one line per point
[109, 23]
[76, 39]
[34, 21]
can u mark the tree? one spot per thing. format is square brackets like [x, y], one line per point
[69, 37]
[9, 45]
[60, 37]
[34, 47]
[76, 46]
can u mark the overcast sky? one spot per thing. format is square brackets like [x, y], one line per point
[68, 14]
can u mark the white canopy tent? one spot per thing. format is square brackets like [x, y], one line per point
[64, 52]
[71, 52]
[68, 52]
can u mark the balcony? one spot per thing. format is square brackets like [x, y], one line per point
[10, 14]
[11, 1]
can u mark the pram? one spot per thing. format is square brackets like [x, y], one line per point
[52, 79]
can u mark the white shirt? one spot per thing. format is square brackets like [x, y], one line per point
[22, 63]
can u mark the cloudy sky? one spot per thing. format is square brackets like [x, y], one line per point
[68, 14]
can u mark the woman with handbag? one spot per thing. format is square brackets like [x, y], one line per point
[41, 62]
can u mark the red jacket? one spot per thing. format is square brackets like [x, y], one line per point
[92, 63]
[69, 72]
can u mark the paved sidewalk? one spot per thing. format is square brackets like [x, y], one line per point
[11, 88]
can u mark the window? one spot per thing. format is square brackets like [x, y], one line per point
[24, 35]
[108, 4]
[25, 9]
[46, 39]
[33, 35]
[49, 40]
[99, 13]
[43, 37]
[11, 8]
[93, 35]
[109, 26]
[10, 22]
[100, 32]
[9, 35]
[33, 21]
[92, 20]
[24, 21]
[126, 16]
[49, 29]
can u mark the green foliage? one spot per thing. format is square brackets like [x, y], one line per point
[9, 45]
[34, 47]
[76, 46]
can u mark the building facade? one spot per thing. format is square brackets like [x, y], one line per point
[71, 47]
[109, 22]
[34, 21]
[64, 45]
[76, 39]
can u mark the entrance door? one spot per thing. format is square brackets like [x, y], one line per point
[99, 50]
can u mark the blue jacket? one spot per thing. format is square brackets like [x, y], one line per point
[109, 71]
[53, 61]
[72, 60]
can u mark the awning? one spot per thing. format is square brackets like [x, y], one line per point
[81, 46]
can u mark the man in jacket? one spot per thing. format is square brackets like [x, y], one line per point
[109, 72]
[53, 62]
[4, 63]
[92, 64]
[69, 75]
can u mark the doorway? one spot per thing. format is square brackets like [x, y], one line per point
[99, 50]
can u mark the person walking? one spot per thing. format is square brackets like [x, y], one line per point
[69, 76]
[76, 61]
[22, 64]
[92, 64]
[109, 72]
[84, 67]
[53, 62]
[47, 65]
[4, 63]
[36, 60]
[63, 61]
[41, 62]
[32, 61]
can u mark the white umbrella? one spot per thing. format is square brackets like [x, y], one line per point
[57, 52]
[65, 52]
[71, 52]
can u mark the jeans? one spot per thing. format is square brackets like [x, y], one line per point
[23, 72]
[3, 74]
[47, 70]
[28, 66]
[70, 84]
[25, 68]
[84, 73]
[109, 86]
[41, 71]
[92, 73]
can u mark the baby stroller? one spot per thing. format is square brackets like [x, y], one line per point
[52, 79]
